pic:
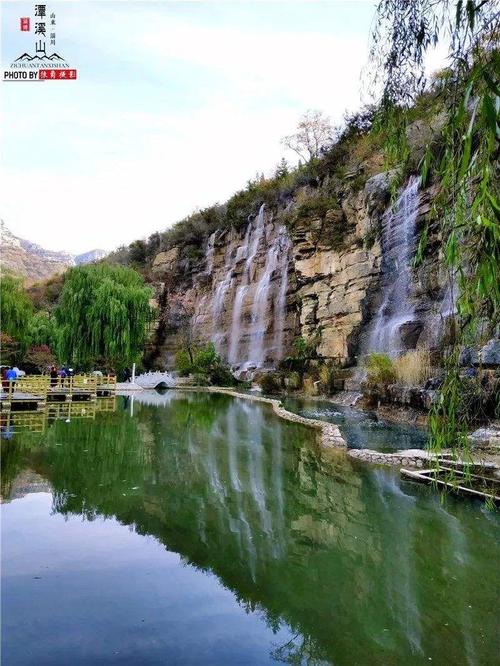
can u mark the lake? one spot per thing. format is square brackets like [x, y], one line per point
[195, 528]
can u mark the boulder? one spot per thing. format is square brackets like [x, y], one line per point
[486, 438]
[410, 333]
[490, 353]
[165, 262]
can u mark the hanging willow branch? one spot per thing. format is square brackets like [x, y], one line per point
[102, 316]
[466, 167]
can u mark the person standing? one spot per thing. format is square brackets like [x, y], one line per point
[53, 376]
[11, 376]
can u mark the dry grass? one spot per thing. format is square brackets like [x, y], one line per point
[413, 368]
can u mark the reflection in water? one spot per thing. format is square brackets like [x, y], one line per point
[358, 565]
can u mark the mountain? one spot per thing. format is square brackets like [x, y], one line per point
[34, 262]
[89, 257]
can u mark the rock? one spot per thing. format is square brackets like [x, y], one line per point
[468, 356]
[490, 353]
[433, 384]
[410, 332]
[486, 438]
[165, 262]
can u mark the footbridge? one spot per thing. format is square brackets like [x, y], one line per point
[152, 380]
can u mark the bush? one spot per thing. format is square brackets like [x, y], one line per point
[270, 383]
[413, 368]
[38, 359]
[326, 376]
[207, 366]
[183, 363]
[380, 369]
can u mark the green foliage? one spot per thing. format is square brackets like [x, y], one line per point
[102, 316]
[304, 351]
[206, 365]
[42, 330]
[16, 310]
[183, 364]
[466, 165]
[379, 369]
[270, 383]
[316, 205]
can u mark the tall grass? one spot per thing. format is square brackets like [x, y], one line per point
[413, 368]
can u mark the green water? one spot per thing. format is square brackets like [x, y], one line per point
[201, 529]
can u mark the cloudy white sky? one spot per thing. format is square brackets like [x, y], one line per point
[176, 106]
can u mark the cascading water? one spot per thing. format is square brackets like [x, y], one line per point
[210, 254]
[246, 251]
[257, 292]
[276, 259]
[398, 239]
[219, 297]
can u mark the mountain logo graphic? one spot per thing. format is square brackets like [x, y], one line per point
[26, 57]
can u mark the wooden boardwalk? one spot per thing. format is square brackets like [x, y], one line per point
[34, 392]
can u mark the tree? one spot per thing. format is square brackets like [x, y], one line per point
[314, 132]
[466, 165]
[9, 349]
[282, 169]
[42, 330]
[16, 310]
[103, 314]
[39, 358]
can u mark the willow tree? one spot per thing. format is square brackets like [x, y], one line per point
[16, 311]
[102, 316]
[466, 167]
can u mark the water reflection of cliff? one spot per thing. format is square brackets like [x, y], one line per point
[354, 563]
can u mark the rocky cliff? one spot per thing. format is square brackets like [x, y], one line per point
[337, 271]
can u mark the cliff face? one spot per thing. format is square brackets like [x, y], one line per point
[343, 279]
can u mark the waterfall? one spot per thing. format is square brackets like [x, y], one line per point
[277, 258]
[398, 237]
[262, 290]
[218, 301]
[209, 255]
[236, 324]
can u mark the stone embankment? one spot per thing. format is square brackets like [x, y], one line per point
[407, 458]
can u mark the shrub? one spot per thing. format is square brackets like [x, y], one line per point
[380, 369]
[38, 359]
[293, 381]
[270, 383]
[326, 376]
[183, 363]
[207, 366]
[413, 368]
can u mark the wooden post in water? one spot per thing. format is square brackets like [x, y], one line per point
[133, 373]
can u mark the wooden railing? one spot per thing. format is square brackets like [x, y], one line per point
[41, 386]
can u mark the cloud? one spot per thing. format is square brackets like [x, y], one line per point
[173, 110]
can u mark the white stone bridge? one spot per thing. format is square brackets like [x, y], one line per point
[152, 380]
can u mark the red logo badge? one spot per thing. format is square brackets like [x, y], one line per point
[25, 24]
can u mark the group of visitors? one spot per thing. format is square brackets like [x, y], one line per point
[60, 374]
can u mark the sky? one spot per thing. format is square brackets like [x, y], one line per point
[176, 106]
